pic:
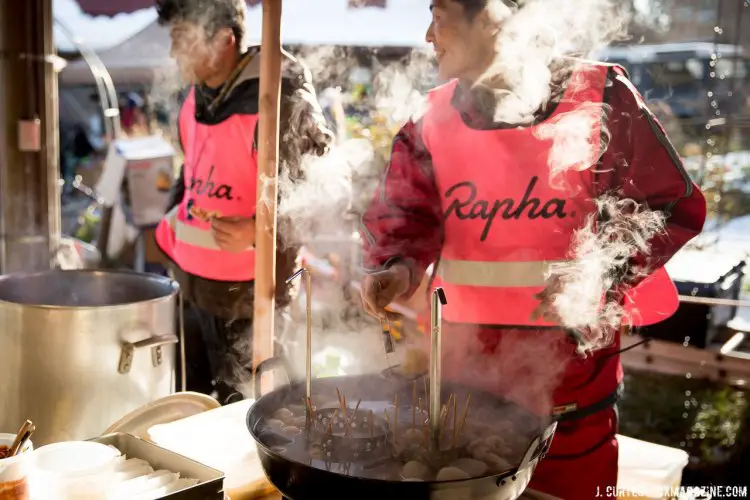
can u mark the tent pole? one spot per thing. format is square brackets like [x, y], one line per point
[268, 169]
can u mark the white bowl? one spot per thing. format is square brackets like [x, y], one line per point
[75, 458]
[74, 469]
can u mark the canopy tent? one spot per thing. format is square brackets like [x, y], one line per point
[137, 59]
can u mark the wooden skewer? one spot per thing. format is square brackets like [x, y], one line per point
[443, 412]
[448, 410]
[395, 418]
[341, 399]
[330, 423]
[455, 421]
[442, 419]
[421, 416]
[424, 381]
[310, 406]
[414, 405]
[466, 413]
[343, 406]
[388, 419]
[351, 419]
[359, 402]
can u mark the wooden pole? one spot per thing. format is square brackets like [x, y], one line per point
[268, 169]
[29, 170]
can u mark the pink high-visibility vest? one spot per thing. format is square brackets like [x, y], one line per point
[220, 172]
[507, 220]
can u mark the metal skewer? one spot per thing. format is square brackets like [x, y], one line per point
[436, 351]
[308, 340]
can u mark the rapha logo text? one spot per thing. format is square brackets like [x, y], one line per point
[465, 205]
[207, 187]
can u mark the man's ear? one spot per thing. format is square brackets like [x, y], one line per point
[224, 38]
[230, 40]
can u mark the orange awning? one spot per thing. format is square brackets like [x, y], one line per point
[113, 7]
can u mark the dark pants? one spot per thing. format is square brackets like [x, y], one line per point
[219, 355]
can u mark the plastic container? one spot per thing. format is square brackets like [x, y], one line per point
[74, 470]
[648, 470]
[15, 471]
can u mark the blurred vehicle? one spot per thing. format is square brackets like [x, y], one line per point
[694, 79]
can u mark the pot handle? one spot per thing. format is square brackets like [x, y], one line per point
[154, 343]
[539, 447]
[270, 364]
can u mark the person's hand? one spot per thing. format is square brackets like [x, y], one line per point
[233, 234]
[546, 310]
[381, 288]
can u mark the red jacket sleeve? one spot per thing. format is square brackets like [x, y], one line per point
[642, 164]
[404, 221]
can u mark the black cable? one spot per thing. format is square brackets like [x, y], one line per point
[626, 349]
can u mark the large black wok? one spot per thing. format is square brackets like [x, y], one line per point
[299, 481]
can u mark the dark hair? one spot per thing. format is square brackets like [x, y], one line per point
[474, 7]
[212, 15]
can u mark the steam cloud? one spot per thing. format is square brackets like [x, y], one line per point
[602, 250]
[533, 41]
[322, 211]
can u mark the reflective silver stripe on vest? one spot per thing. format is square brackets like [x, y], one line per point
[494, 274]
[192, 235]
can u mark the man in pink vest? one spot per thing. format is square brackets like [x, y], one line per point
[209, 232]
[481, 200]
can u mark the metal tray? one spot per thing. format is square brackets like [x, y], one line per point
[210, 487]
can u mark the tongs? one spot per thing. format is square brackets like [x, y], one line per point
[385, 324]
[390, 331]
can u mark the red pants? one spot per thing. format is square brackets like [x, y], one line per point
[573, 470]
[539, 370]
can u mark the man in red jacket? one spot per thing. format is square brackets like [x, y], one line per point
[475, 196]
